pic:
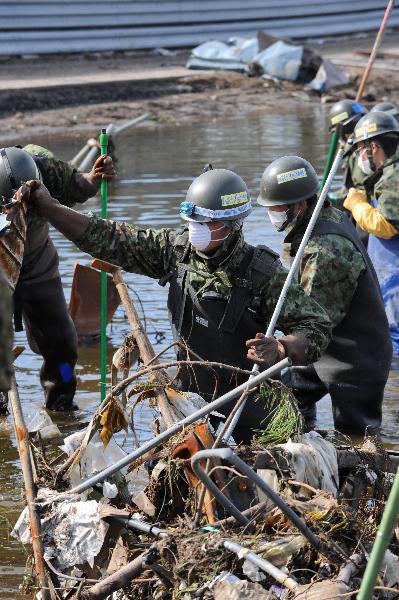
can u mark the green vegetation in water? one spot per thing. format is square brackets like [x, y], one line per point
[284, 420]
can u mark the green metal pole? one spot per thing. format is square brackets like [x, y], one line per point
[332, 150]
[381, 543]
[103, 288]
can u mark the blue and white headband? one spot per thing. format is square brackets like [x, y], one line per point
[188, 209]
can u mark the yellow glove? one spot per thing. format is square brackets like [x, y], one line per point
[368, 218]
[354, 196]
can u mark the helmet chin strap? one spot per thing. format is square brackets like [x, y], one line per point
[291, 217]
[370, 155]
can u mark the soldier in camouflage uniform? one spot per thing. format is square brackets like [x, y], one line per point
[336, 272]
[6, 336]
[342, 118]
[376, 208]
[222, 291]
[39, 296]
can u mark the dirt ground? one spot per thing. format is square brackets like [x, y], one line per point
[34, 100]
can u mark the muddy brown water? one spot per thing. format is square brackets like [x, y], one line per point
[155, 168]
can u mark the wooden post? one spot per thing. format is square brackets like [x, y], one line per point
[146, 350]
[22, 437]
[374, 50]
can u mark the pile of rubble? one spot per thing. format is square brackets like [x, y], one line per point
[290, 520]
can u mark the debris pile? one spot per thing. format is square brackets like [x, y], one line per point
[115, 540]
[270, 57]
[188, 514]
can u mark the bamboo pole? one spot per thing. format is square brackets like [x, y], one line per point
[374, 50]
[22, 436]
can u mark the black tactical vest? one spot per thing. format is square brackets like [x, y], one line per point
[360, 349]
[215, 328]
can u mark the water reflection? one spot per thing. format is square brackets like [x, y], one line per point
[155, 169]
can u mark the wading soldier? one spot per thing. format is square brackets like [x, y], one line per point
[336, 272]
[376, 210]
[343, 118]
[39, 296]
[222, 290]
[387, 107]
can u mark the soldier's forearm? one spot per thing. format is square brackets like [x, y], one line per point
[66, 220]
[84, 186]
[296, 347]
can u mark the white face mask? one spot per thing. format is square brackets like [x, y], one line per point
[278, 218]
[200, 235]
[364, 165]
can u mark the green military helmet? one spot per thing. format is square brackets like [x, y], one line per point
[16, 166]
[216, 195]
[287, 180]
[373, 124]
[345, 112]
[387, 107]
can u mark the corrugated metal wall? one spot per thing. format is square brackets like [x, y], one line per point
[48, 26]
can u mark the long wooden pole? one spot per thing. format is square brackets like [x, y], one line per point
[146, 350]
[374, 51]
[22, 436]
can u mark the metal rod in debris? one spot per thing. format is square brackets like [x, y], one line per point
[92, 150]
[121, 128]
[22, 436]
[89, 159]
[261, 563]
[212, 487]
[292, 272]
[374, 50]
[177, 427]
[78, 158]
[143, 527]
[382, 540]
[228, 455]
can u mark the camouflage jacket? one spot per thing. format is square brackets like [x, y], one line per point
[6, 333]
[383, 185]
[56, 175]
[330, 267]
[153, 252]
